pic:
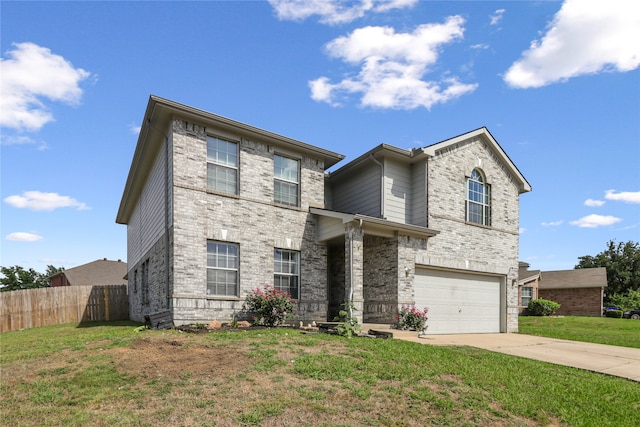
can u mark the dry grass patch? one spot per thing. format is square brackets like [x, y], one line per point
[281, 378]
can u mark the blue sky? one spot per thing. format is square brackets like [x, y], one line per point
[556, 83]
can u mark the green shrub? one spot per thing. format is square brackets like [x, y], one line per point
[614, 313]
[348, 326]
[271, 306]
[542, 307]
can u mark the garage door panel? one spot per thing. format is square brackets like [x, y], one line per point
[458, 302]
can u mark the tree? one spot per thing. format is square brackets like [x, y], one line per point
[16, 278]
[622, 261]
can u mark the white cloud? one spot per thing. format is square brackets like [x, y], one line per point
[594, 203]
[551, 223]
[392, 67]
[134, 129]
[496, 17]
[334, 11]
[22, 140]
[624, 196]
[30, 75]
[585, 37]
[595, 221]
[480, 46]
[39, 201]
[21, 236]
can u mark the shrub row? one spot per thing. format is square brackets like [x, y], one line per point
[613, 313]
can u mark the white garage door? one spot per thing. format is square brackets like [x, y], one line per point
[459, 303]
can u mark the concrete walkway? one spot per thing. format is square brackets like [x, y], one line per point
[607, 359]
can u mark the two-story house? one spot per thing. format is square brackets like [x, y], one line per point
[215, 208]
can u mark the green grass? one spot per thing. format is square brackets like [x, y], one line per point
[113, 376]
[599, 330]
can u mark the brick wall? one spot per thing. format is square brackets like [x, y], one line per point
[155, 297]
[249, 219]
[575, 301]
[464, 246]
[381, 279]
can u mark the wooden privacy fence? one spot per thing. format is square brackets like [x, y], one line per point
[32, 308]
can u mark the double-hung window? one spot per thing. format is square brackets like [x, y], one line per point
[222, 268]
[478, 199]
[286, 185]
[527, 294]
[222, 165]
[287, 272]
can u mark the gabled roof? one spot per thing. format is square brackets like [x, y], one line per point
[526, 276]
[417, 154]
[578, 278]
[96, 273]
[484, 133]
[156, 120]
[382, 150]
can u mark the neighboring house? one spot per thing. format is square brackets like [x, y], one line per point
[215, 208]
[579, 292]
[96, 273]
[528, 282]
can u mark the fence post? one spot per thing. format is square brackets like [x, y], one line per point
[106, 302]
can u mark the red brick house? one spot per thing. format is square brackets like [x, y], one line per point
[579, 292]
[528, 281]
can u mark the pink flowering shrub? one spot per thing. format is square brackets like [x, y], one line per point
[270, 305]
[412, 318]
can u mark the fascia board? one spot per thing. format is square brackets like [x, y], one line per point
[524, 185]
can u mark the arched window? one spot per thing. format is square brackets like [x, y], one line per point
[478, 199]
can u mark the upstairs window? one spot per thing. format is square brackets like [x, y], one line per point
[287, 272]
[222, 165]
[222, 268]
[478, 199]
[286, 185]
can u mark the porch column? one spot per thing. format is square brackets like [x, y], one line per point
[354, 268]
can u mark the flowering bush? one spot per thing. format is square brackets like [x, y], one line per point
[272, 306]
[412, 318]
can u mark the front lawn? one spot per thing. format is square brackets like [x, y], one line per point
[110, 375]
[599, 330]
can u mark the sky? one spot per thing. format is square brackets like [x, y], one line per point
[556, 83]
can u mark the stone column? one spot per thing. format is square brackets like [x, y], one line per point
[354, 268]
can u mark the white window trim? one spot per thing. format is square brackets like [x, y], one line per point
[288, 275]
[486, 207]
[236, 270]
[226, 166]
[297, 183]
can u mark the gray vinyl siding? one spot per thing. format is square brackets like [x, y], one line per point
[419, 194]
[359, 193]
[397, 191]
[146, 225]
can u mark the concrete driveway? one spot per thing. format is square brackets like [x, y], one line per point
[607, 359]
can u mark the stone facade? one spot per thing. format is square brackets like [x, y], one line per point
[465, 246]
[172, 215]
[249, 219]
[149, 284]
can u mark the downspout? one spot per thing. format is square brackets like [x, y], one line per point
[381, 185]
